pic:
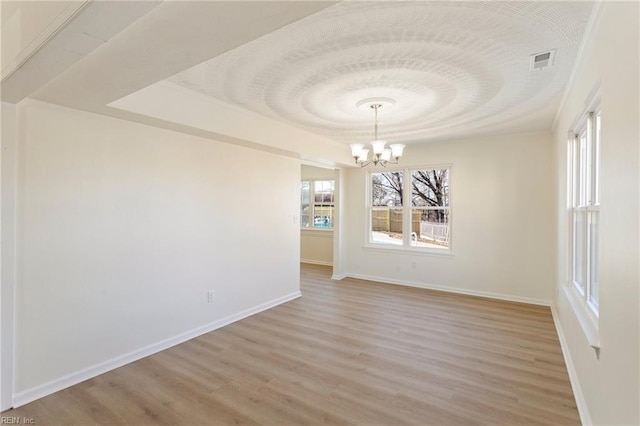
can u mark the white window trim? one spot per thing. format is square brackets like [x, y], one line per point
[586, 317]
[318, 230]
[585, 311]
[406, 209]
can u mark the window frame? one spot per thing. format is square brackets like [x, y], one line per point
[584, 195]
[313, 205]
[583, 198]
[407, 209]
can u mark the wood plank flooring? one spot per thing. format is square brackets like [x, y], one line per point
[351, 352]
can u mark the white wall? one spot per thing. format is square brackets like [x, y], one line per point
[502, 193]
[7, 250]
[123, 228]
[607, 389]
[339, 229]
[172, 103]
[316, 245]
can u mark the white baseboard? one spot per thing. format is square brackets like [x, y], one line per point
[583, 410]
[465, 291]
[29, 395]
[338, 277]
[316, 262]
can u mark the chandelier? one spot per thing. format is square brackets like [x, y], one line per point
[381, 154]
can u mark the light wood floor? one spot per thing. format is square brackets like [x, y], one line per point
[347, 352]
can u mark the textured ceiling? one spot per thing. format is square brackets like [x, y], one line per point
[452, 68]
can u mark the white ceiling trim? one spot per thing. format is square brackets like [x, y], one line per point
[49, 31]
[591, 28]
[77, 39]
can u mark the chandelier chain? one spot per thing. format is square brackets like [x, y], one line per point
[375, 127]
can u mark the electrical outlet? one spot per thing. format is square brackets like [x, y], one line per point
[210, 296]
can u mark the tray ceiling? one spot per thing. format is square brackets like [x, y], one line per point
[452, 68]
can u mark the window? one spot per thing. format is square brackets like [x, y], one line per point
[430, 213]
[316, 207]
[387, 225]
[583, 171]
[416, 215]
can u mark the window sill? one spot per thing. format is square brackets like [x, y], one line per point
[408, 250]
[317, 230]
[586, 318]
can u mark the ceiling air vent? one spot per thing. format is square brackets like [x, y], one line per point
[541, 60]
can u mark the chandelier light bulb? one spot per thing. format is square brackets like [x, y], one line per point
[356, 149]
[378, 147]
[386, 155]
[396, 150]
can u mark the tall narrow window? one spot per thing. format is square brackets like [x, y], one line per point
[386, 208]
[317, 204]
[323, 204]
[305, 210]
[594, 214]
[585, 211]
[430, 213]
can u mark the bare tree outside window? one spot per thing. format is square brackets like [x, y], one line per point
[430, 202]
[386, 189]
[387, 212]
